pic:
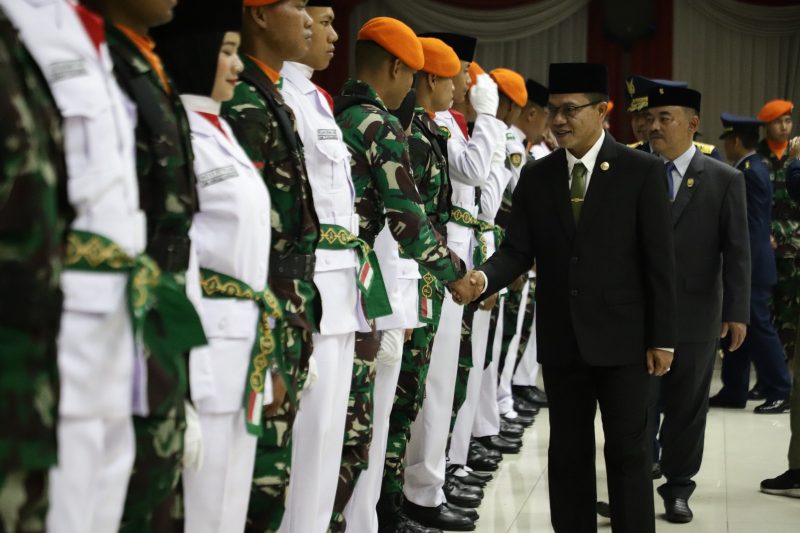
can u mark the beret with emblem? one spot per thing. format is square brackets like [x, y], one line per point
[396, 38]
[677, 96]
[463, 45]
[567, 78]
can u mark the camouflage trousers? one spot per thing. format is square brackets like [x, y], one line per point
[408, 400]
[274, 449]
[358, 426]
[786, 302]
[23, 501]
[464, 362]
[151, 499]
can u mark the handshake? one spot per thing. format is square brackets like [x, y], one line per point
[467, 289]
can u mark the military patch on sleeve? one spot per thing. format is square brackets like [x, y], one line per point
[444, 131]
[510, 136]
[516, 159]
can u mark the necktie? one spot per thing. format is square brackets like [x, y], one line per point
[670, 167]
[577, 189]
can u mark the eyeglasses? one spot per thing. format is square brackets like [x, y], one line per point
[569, 111]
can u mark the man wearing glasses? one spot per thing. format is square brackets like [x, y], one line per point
[594, 215]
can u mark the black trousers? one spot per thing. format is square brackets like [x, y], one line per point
[684, 404]
[573, 393]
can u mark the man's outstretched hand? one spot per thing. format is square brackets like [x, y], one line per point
[468, 288]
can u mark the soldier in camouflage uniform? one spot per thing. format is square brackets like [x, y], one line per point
[168, 197]
[264, 125]
[33, 213]
[382, 174]
[777, 114]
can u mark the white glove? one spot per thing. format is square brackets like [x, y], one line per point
[192, 440]
[313, 374]
[391, 350]
[483, 96]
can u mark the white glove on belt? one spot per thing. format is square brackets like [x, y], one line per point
[192, 440]
[391, 350]
[483, 96]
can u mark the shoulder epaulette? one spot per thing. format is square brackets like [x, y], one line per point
[705, 148]
[636, 144]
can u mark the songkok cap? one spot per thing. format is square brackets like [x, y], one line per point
[737, 124]
[440, 59]
[775, 109]
[319, 3]
[189, 45]
[537, 93]
[475, 70]
[396, 38]
[638, 87]
[257, 3]
[463, 45]
[680, 96]
[511, 84]
[566, 78]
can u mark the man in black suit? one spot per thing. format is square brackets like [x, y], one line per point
[712, 264]
[605, 297]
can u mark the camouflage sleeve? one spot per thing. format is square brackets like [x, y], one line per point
[246, 113]
[422, 167]
[405, 216]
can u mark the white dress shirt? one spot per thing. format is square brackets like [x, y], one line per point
[589, 159]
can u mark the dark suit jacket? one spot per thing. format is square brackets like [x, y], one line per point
[763, 272]
[605, 290]
[712, 250]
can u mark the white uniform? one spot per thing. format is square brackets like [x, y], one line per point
[231, 235]
[469, 163]
[96, 345]
[318, 431]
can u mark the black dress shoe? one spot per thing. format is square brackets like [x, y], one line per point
[510, 429]
[468, 479]
[472, 514]
[483, 476]
[718, 401]
[462, 496]
[787, 484]
[677, 511]
[477, 447]
[774, 407]
[439, 517]
[404, 524]
[481, 463]
[755, 393]
[524, 408]
[520, 419]
[603, 509]
[496, 442]
[532, 395]
[453, 481]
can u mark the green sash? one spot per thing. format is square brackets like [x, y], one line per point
[499, 233]
[369, 279]
[162, 316]
[267, 348]
[462, 217]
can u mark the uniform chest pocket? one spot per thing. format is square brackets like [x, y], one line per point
[331, 163]
[87, 111]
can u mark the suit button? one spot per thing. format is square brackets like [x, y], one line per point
[573, 292]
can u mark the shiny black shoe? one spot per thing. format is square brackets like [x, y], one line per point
[477, 447]
[438, 517]
[524, 408]
[463, 496]
[520, 419]
[496, 442]
[677, 511]
[468, 489]
[510, 429]
[787, 484]
[468, 479]
[755, 393]
[718, 401]
[532, 395]
[481, 463]
[472, 514]
[774, 407]
[603, 509]
[483, 476]
[404, 524]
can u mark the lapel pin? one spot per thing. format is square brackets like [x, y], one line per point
[690, 182]
[604, 165]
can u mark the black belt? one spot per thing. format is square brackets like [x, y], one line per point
[293, 266]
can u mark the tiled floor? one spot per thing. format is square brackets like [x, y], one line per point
[741, 449]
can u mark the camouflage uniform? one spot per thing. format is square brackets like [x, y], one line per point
[265, 127]
[385, 194]
[786, 231]
[168, 197]
[33, 213]
[429, 166]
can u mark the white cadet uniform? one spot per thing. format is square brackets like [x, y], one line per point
[231, 235]
[96, 348]
[516, 155]
[318, 431]
[469, 164]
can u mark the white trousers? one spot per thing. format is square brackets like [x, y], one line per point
[462, 431]
[528, 370]
[487, 416]
[318, 437]
[360, 511]
[216, 497]
[427, 446]
[505, 400]
[88, 487]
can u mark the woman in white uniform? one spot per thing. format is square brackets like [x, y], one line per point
[229, 378]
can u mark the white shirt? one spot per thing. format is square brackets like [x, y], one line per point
[540, 150]
[328, 165]
[516, 154]
[589, 159]
[682, 163]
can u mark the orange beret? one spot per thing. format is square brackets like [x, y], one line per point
[440, 59]
[475, 70]
[511, 84]
[396, 38]
[257, 3]
[610, 107]
[774, 109]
